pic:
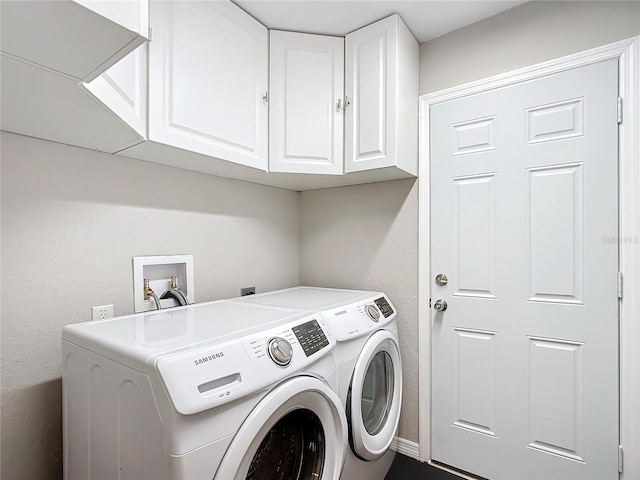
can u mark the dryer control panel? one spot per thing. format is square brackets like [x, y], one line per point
[361, 318]
[384, 306]
[213, 375]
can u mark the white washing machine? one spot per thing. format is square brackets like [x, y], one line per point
[209, 391]
[369, 365]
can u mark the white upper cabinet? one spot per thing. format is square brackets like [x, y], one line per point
[79, 39]
[208, 81]
[210, 92]
[195, 96]
[381, 85]
[306, 114]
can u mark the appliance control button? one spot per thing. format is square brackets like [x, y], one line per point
[373, 312]
[280, 351]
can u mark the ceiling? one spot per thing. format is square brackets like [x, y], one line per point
[427, 19]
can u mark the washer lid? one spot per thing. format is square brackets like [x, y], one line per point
[375, 396]
[136, 340]
[307, 298]
[299, 394]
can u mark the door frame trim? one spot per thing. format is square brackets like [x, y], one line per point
[628, 53]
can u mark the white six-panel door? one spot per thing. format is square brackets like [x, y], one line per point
[306, 112]
[524, 219]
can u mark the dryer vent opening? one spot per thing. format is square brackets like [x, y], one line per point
[294, 449]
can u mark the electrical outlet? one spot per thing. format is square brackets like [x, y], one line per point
[247, 291]
[101, 312]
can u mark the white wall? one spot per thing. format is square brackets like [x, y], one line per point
[366, 236]
[72, 219]
[528, 34]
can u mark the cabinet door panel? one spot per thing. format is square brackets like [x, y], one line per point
[208, 65]
[371, 107]
[307, 73]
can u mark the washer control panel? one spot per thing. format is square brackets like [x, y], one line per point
[311, 337]
[201, 378]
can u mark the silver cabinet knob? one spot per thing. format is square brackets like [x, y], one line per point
[440, 305]
[280, 351]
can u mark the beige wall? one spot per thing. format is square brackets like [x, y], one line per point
[531, 33]
[366, 236]
[72, 219]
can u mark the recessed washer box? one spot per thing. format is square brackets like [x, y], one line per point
[159, 269]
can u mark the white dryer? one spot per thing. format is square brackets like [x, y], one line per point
[369, 365]
[209, 391]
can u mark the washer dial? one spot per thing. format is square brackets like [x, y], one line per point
[373, 312]
[280, 351]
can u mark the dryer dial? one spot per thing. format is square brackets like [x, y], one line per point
[373, 312]
[280, 351]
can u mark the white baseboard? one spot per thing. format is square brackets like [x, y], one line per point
[412, 449]
[405, 447]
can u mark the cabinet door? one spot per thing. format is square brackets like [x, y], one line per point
[370, 87]
[123, 88]
[306, 115]
[208, 74]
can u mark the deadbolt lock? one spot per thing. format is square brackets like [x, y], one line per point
[441, 280]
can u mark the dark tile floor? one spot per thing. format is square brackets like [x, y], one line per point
[406, 468]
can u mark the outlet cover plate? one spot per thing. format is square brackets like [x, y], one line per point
[102, 312]
[247, 291]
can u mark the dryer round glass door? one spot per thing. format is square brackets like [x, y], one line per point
[375, 396]
[297, 431]
[377, 393]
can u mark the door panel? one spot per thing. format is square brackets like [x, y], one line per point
[556, 121]
[524, 183]
[474, 380]
[473, 258]
[556, 391]
[555, 267]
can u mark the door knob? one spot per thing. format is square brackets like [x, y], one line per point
[440, 305]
